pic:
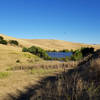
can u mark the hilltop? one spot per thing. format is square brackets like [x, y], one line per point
[50, 44]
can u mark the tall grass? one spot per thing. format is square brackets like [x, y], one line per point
[43, 65]
[80, 83]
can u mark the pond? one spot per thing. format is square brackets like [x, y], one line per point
[59, 54]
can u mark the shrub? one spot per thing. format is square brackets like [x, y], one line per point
[77, 55]
[13, 42]
[24, 50]
[3, 42]
[66, 59]
[17, 61]
[37, 51]
[32, 49]
[1, 38]
[87, 51]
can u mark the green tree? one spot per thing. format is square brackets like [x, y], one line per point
[1, 38]
[86, 51]
[13, 42]
[3, 42]
[37, 51]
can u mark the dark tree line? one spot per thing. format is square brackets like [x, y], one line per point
[81, 53]
[77, 54]
[37, 51]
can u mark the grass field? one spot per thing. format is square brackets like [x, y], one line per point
[20, 69]
[79, 83]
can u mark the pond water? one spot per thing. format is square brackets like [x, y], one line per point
[59, 54]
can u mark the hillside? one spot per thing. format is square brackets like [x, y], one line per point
[80, 83]
[21, 69]
[49, 44]
[9, 56]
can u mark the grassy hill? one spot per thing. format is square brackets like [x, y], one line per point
[12, 56]
[12, 63]
[20, 69]
[49, 44]
[79, 83]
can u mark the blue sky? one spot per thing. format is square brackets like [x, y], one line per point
[70, 20]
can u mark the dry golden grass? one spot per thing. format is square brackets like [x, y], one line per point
[9, 55]
[18, 79]
[15, 81]
[50, 44]
[95, 66]
[95, 63]
[21, 41]
[58, 44]
[80, 83]
[10, 81]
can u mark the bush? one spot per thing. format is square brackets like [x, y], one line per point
[1, 38]
[17, 61]
[37, 51]
[87, 51]
[13, 42]
[33, 50]
[83, 52]
[24, 50]
[3, 42]
[77, 55]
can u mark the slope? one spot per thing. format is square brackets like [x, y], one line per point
[50, 44]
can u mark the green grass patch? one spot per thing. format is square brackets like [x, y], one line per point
[3, 75]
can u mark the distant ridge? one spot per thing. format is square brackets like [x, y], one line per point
[50, 44]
